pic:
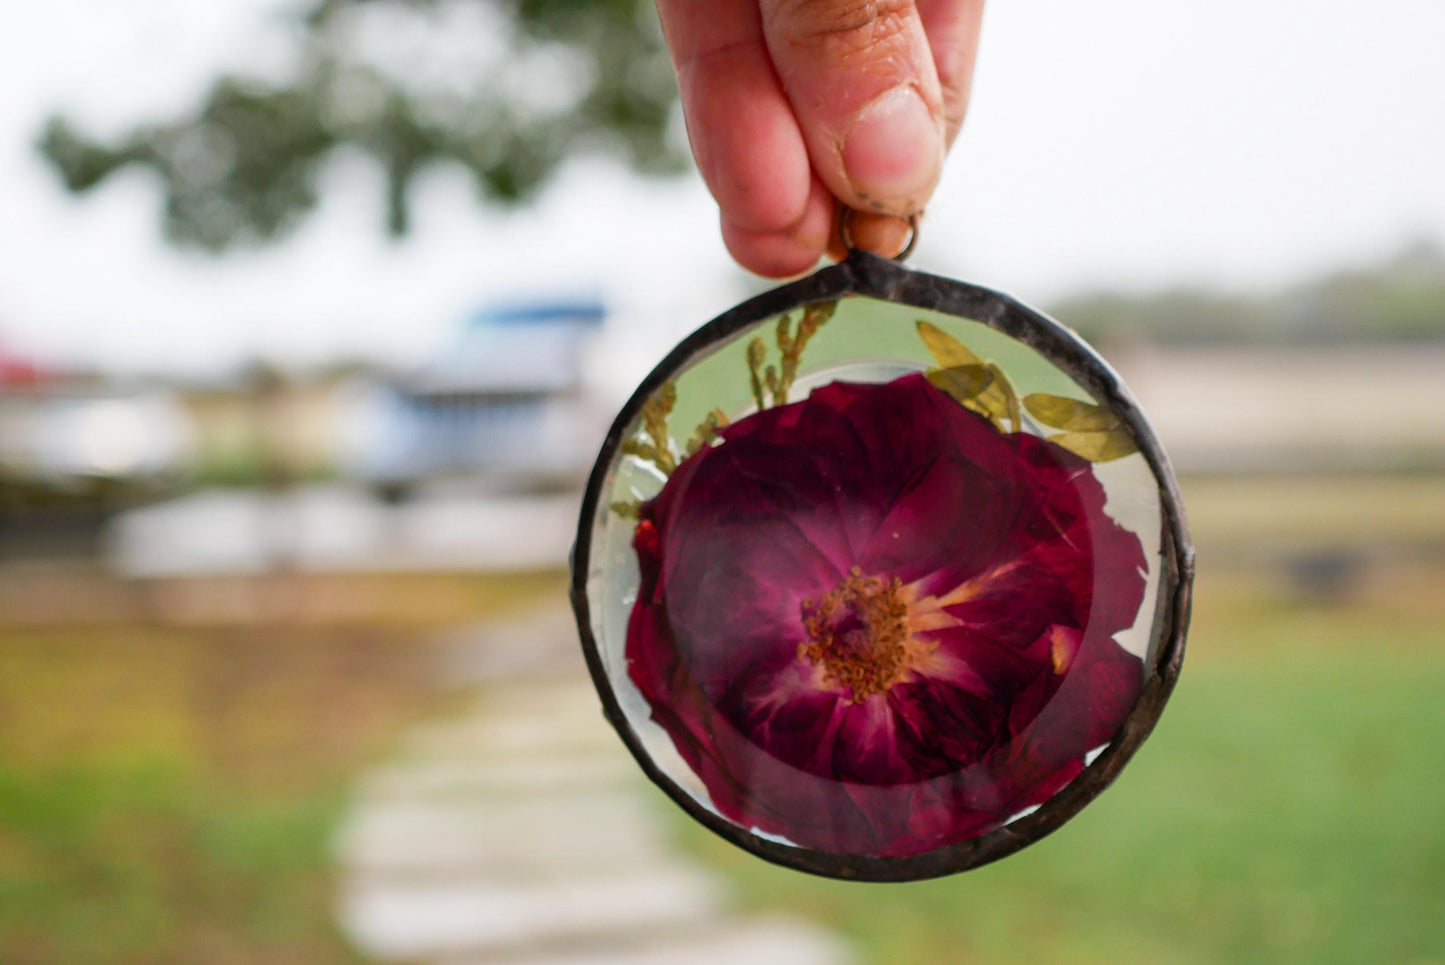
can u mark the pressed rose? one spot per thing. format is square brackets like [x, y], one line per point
[874, 624]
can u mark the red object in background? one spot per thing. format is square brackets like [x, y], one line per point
[19, 372]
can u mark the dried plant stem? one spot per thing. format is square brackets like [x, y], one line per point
[757, 351]
[706, 431]
[657, 447]
[792, 345]
[771, 384]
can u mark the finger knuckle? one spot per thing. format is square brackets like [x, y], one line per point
[843, 28]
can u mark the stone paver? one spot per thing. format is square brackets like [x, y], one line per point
[761, 941]
[551, 833]
[411, 921]
[559, 772]
[522, 833]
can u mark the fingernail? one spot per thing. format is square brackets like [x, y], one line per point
[894, 152]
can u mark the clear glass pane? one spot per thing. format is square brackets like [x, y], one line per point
[874, 580]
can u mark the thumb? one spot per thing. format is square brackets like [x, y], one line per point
[862, 82]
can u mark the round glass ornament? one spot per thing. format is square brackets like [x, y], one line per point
[881, 575]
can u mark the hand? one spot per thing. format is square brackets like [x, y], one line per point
[795, 105]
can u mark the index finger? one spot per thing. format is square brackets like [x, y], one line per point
[740, 123]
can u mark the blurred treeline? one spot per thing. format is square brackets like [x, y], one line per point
[508, 89]
[511, 89]
[1399, 301]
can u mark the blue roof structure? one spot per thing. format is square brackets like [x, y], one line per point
[527, 348]
[590, 313]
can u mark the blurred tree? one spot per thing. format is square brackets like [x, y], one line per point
[539, 81]
[1399, 300]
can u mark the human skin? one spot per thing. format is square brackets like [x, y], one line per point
[795, 108]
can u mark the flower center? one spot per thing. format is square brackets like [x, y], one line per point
[858, 633]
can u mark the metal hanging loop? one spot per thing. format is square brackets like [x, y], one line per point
[845, 230]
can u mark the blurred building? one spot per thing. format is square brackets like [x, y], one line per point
[75, 448]
[263, 426]
[506, 404]
[69, 436]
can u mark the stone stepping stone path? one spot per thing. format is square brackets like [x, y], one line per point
[522, 833]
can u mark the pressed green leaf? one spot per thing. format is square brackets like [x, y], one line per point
[1100, 446]
[1063, 413]
[962, 382]
[978, 385]
[1001, 397]
[978, 388]
[947, 350]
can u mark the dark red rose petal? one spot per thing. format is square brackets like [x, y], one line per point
[998, 544]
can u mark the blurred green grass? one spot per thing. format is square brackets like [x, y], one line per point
[1286, 810]
[169, 794]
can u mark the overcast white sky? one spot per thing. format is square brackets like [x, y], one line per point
[1136, 143]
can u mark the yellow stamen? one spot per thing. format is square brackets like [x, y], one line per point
[1061, 652]
[858, 633]
[867, 634]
